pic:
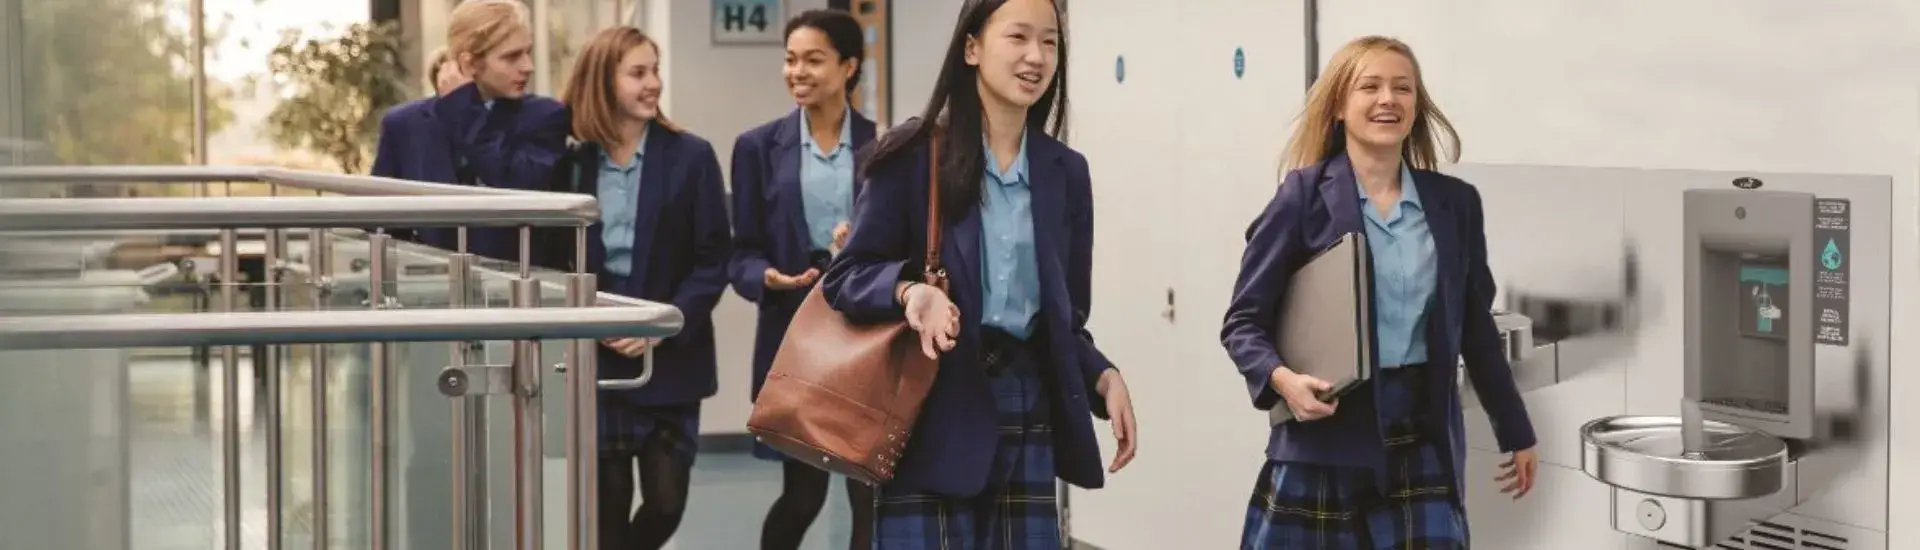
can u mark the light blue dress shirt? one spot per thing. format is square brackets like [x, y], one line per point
[1009, 262]
[1403, 273]
[619, 202]
[826, 182]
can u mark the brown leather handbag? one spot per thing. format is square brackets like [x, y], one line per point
[843, 396]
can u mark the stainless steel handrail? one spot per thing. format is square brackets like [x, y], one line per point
[128, 174]
[540, 209]
[334, 327]
[350, 184]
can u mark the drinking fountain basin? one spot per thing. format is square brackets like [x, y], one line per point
[1649, 454]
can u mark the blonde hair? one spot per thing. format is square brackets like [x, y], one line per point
[434, 61]
[1317, 135]
[477, 27]
[589, 90]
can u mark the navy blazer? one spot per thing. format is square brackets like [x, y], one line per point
[953, 442]
[770, 225]
[1313, 207]
[516, 146]
[681, 245]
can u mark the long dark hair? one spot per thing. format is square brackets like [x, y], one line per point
[956, 109]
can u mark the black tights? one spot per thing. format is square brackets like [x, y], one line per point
[804, 493]
[664, 476]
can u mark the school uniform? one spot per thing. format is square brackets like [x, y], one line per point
[1387, 470]
[663, 237]
[789, 193]
[1008, 411]
[460, 138]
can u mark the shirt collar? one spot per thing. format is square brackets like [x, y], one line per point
[639, 154]
[1409, 191]
[1016, 172]
[846, 130]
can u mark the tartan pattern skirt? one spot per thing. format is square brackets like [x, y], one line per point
[1312, 506]
[626, 427]
[1018, 510]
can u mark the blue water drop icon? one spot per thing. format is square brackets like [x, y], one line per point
[1831, 256]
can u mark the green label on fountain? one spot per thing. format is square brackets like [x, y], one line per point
[1832, 221]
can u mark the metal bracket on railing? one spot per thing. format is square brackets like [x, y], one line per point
[462, 381]
[637, 382]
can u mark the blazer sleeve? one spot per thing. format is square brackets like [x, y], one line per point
[519, 154]
[1486, 362]
[700, 291]
[1093, 363]
[748, 268]
[387, 160]
[1274, 250]
[859, 281]
[386, 163]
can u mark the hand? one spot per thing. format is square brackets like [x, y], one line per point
[1120, 413]
[840, 234]
[934, 316]
[775, 281]
[1301, 394]
[1520, 470]
[627, 347]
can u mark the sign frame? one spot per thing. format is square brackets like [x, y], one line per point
[760, 22]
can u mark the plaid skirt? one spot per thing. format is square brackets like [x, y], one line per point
[626, 427]
[1312, 506]
[1018, 510]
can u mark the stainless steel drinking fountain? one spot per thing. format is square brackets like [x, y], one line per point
[1734, 456]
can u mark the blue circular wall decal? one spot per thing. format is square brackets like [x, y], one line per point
[1120, 68]
[1239, 62]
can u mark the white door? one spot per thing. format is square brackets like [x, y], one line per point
[1124, 108]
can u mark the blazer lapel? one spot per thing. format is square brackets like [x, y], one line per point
[1446, 238]
[1047, 185]
[788, 195]
[586, 165]
[961, 246]
[1341, 194]
[657, 165]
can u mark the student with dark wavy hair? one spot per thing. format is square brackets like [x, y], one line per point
[793, 191]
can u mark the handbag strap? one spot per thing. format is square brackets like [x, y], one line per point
[936, 273]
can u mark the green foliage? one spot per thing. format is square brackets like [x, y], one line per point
[340, 87]
[110, 81]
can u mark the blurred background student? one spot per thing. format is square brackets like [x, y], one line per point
[485, 129]
[793, 192]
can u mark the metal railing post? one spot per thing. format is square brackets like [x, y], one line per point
[230, 394]
[320, 258]
[270, 361]
[469, 420]
[378, 389]
[583, 432]
[527, 428]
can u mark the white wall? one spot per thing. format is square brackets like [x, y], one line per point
[717, 92]
[921, 29]
[1768, 85]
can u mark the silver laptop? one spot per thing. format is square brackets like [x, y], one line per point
[1325, 324]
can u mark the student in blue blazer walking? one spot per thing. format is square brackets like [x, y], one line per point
[486, 131]
[662, 237]
[793, 191]
[1382, 467]
[1008, 413]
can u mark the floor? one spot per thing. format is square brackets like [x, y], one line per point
[176, 498]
